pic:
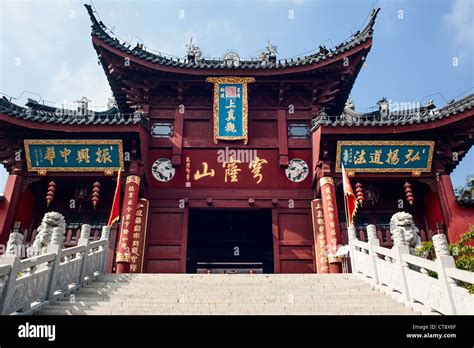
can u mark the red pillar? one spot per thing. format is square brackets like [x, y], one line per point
[127, 224]
[282, 138]
[319, 235]
[8, 207]
[331, 222]
[177, 138]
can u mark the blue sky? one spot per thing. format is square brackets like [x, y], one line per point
[46, 45]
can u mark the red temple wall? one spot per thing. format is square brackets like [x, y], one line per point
[166, 244]
[273, 176]
[293, 241]
[9, 205]
[460, 217]
[24, 211]
[433, 210]
[168, 224]
[166, 241]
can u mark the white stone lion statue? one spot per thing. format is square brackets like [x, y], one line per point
[51, 221]
[404, 231]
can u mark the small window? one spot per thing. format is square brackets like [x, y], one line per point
[162, 130]
[298, 131]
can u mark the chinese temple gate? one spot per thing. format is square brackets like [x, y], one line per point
[232, 164]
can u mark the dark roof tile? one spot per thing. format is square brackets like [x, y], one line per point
[409, 117]
[99, 31]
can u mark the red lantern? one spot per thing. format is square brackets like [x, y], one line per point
[359, 194]
[95, 193]
[409, 193]
[50, 193]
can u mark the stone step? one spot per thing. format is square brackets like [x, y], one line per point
[231, 304]
[187, 297]
[304, 311]
[242, 300]
[193, 282]
[229, 280]
[121, 303]
[172, 294]
[229, 284]
[227, 292]
[214, 278]
[233, 286]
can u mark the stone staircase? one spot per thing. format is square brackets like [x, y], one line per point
[149, 294]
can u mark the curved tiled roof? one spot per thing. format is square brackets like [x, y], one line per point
[98, 30]
[350, 118]
[36, 112]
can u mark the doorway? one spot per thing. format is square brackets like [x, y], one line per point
[229, 241]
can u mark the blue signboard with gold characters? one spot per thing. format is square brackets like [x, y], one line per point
[385, 156]
[230, 108]
[59, 155]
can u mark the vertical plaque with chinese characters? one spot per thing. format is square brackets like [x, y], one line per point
[331, 221]
[319, 235]
[127, 222]
[139, 236]
[230, 108]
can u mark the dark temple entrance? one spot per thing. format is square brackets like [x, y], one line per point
[229, 241]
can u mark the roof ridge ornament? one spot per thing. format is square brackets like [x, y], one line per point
[232, 59]
[83, 108]
[194, 53]
[269, 55]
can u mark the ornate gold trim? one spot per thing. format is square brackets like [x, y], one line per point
[42, 170]
[231, 79]
[326, 180]
[426, 169]
[133, 179]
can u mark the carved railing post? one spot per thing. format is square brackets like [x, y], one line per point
[400, 247]
[105, 248]
[373, 240]
[84, 240]
[444, 260]
[56, 246]
[352, 236]
[10, 283]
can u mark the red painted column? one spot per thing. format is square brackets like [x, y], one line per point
[443, 200]
[319, 235]
[127, 224]
[282, 138]
[8, 207]
[177, 138]
[331, 222]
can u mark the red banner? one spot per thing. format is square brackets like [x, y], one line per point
[127, 222]
[139, 236]
[322, 264]
[331, 219]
